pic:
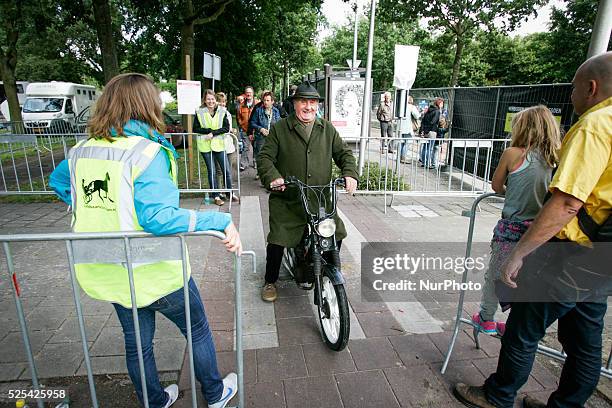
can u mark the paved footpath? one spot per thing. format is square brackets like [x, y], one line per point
[393, 358]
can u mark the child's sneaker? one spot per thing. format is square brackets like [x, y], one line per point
[500, 328]
[230, 388]
[486, 326]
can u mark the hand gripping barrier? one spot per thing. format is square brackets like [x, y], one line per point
[606, 370]
[125, 247]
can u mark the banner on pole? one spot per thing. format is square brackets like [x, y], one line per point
[188, 95]
[346, 101]
[406, 58]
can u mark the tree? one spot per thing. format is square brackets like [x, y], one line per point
[191, 17]
[11, 24]
[569, 38]
[460, 18]
[104, 29]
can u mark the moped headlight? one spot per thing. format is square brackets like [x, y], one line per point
[327, 228]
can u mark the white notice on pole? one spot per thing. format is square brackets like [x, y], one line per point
[211, 66]
[406, 58]
[188, 94]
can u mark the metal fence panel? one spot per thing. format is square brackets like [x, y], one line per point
[78, 248]
[27, 160]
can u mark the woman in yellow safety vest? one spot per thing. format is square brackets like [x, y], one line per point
[212, 124]
[123, 178]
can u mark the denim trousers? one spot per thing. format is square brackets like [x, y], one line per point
[257, 145]
[580, 330]
[430, 150]
[173, 307]
[211, 172]
[404, 145]
[244, 152]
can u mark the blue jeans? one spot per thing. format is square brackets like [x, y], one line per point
[580, 329]
[173, 307]
[404, 144]
[257, 145]
[244, 151]
[429, 153]
[226, 169]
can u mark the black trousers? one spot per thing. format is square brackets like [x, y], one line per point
[274, 257]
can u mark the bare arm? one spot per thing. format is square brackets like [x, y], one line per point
[507, 162]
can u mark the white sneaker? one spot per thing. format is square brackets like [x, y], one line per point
[230, 388]
[173, 392]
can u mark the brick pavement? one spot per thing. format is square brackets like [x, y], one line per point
[387, 368]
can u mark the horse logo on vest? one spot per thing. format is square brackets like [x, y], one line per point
[96, 186]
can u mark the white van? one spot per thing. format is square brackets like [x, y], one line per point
[4, 108]
[54, 106]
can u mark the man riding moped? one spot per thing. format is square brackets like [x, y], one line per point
[301, 146]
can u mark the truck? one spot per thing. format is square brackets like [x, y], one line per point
[4, 108]
[52, 107]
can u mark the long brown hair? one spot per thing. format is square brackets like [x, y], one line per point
[535, 129]
[126, 96]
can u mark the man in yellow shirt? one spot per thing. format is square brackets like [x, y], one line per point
[583, 179]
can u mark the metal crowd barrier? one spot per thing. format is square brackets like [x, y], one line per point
[186, 185]
[606, 370]
[463, 167]
[134, 250]
[27, 160]
[43, 126]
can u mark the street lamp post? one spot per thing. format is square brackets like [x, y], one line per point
[355, 37]
[367, 92]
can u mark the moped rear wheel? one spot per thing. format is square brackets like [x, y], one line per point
[334, 315]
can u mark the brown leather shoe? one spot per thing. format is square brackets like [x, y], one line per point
[531, 402]
[471, 396]
[268, 293]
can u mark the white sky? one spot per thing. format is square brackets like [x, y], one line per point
[340, 13]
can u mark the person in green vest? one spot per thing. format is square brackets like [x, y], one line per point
[212, 123]
[123, 178]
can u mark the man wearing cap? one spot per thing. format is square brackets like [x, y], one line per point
[303, 146]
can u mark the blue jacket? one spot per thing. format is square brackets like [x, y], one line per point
[156, 198]
[259, 120]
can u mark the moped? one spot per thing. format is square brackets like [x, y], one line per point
[315, 262]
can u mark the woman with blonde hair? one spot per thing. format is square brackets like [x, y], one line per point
[123, 178]
[522, 175]
[230, 147]
[212, 123]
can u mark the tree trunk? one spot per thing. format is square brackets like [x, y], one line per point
[273, 83]
[104, 29]
[11, 12]
[187, 41]
[285, 79]
[7, 70]
[459, 41]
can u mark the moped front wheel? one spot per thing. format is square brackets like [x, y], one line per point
[334, 315]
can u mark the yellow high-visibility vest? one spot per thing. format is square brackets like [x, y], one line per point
[102, 178]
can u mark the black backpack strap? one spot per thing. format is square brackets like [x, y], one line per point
[587, 224]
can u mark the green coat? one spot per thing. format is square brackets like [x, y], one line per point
[287, 153]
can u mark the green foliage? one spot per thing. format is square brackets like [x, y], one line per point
[262, 41]
[337, 48]
[461, 19]
[373, 178]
